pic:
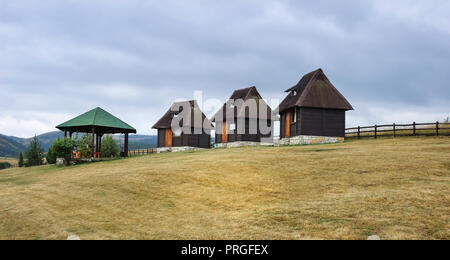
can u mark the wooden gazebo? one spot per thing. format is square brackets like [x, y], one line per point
[97, 122]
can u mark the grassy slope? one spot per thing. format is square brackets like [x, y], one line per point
[397, 189]
[8, 159]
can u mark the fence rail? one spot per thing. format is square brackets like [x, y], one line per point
[394, 130]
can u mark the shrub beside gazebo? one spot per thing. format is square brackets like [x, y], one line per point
[97, 122]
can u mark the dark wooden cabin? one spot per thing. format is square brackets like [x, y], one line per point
[313, 107]
[226, 123]
[169, 137]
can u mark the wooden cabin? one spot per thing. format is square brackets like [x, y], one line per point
[195, 132]
[313, 107]
[227, 123]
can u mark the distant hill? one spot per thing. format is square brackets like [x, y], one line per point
[45, 139]
[11, 146]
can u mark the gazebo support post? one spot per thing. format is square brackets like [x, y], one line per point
[65, 134]
[126, 146]
[93, 143]
[100, 144]
[96, 143]
[70, 135]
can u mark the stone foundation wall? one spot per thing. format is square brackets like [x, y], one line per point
[307, 139]
[177, 149]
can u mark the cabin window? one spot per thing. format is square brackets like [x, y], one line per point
[294, 92]
[295, 116]
[232, 127]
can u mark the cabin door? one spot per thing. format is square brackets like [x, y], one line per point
[224, 133]
[287, 124]
[168, 138]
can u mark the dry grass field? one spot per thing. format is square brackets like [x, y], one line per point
[394, 188]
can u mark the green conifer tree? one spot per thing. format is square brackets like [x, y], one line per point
[21, 164]
[34, 154]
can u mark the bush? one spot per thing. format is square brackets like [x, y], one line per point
[84, 146]
[61, 148]
[51, 157]
[109, 147]
[34, 154]
[4, 165]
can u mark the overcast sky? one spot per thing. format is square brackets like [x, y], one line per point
[58, 59]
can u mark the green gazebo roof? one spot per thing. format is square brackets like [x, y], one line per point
[97, 118]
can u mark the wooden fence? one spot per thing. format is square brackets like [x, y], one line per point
[394, 130]
[142, 151]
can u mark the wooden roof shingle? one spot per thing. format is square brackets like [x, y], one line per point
[316, 91]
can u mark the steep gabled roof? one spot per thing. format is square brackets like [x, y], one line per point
[166, 120]
[245, 94]
[96, 117]
[316, 91]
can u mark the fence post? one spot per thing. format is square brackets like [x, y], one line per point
[375, 131]
[414, 128]
[394, 129]
[359, 132]
[437, 128]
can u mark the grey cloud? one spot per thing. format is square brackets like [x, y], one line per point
[65, 57]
